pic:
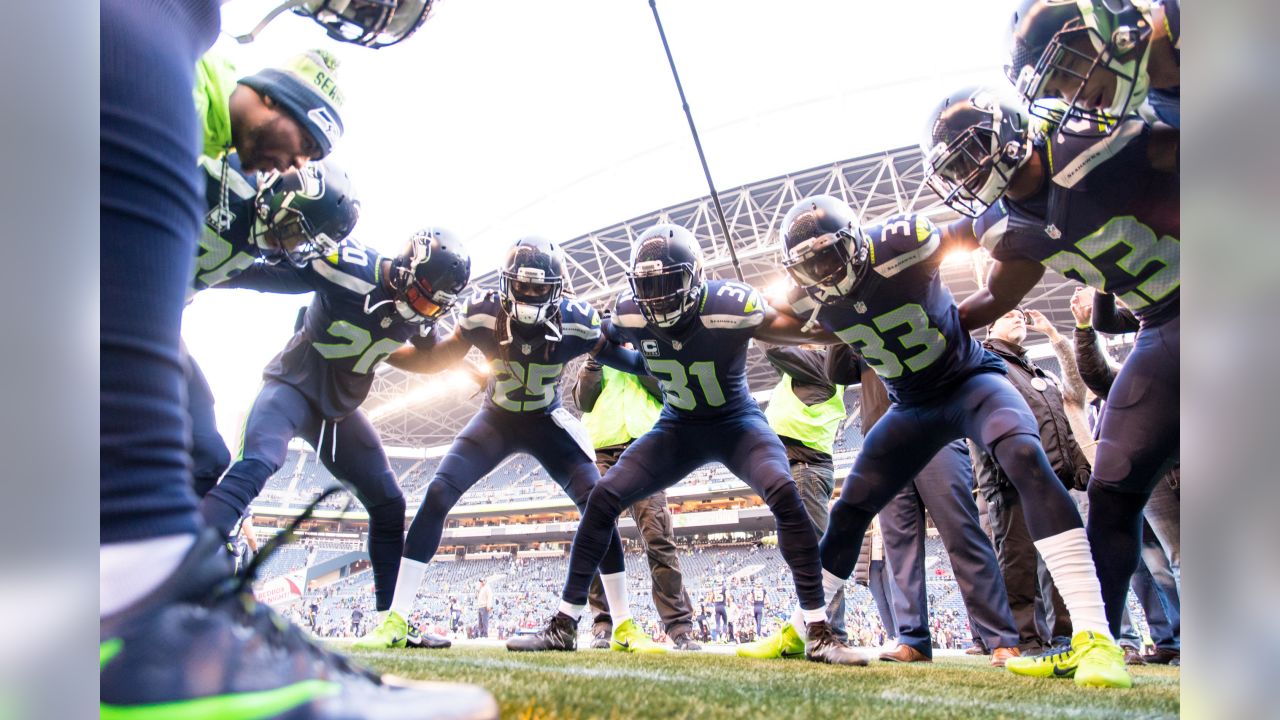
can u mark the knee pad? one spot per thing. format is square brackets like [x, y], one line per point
[387, 515]
[1005, 423]
[602, 499]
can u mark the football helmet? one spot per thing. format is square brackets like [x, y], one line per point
[304, 214]
[824, 250]
[371, 23]
[429, 275]
[666, 274]
[974, 142]
[531, 281]
[1091, 53]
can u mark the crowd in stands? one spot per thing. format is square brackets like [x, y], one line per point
[527, 589]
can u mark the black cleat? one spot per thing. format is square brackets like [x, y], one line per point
[823, 646]
[428, 641]
[601, 635]
[201, 645]
[684, 641]
[561, 633]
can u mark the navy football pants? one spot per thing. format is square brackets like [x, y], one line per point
[984, 408]
[491, 437]
[662, 457]
[349, 448]
[151, 213]
[1137, 443]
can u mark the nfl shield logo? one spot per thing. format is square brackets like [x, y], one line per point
[860, 306]
[386, 322]
[1053, 232]
[526, 348]
[677, 344]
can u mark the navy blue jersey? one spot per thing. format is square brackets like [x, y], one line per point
[350, 327]
[1116, 230]
[226, 243]
[526, 371]
[703, 372]
[901, 319]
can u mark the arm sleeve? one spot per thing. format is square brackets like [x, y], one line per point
[804, 365]
[620, 358]
[1092, 362]
[588, 388]
[651, 386]
[1111, 319]
[286, 280]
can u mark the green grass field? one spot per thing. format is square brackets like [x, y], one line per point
[603, 684]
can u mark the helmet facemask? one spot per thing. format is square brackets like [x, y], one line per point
[528, 296]
[665, 293]
[1103, 79]
[972, 171]
[830, 265]
[371, 23]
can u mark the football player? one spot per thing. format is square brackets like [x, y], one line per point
[693, 334]
[1103, 57]
[879, 290]
[295, 216]
[178, 636]
[1117, 232]
[528, 331]
[365, 307]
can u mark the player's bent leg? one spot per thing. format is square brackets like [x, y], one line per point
[1137, 440]
[279, 413]
[357, 458]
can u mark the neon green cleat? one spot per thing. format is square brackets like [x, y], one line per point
[392, 632]
[628, 637]
[1101, 664]
[785, 643]
[1093, 660]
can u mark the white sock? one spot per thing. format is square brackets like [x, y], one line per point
[127, 571]
[1070, 563]
[798, 623]
[831, 585]
[615, 593]
[573, 611]
[407, 582]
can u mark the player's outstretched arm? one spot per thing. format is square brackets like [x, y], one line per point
[786, 329]
[1008, 283]
[608, 352]
[957, 235]
[281, 279]
[440, 356]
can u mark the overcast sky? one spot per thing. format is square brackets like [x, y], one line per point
[503, 118]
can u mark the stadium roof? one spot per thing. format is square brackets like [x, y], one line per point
[422, 411]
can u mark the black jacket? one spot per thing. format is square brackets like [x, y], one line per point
[1068, 461]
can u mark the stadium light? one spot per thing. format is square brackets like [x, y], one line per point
[437, 386]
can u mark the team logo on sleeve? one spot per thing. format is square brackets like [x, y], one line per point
[649, 348]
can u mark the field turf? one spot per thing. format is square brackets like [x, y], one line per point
[603, 684]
